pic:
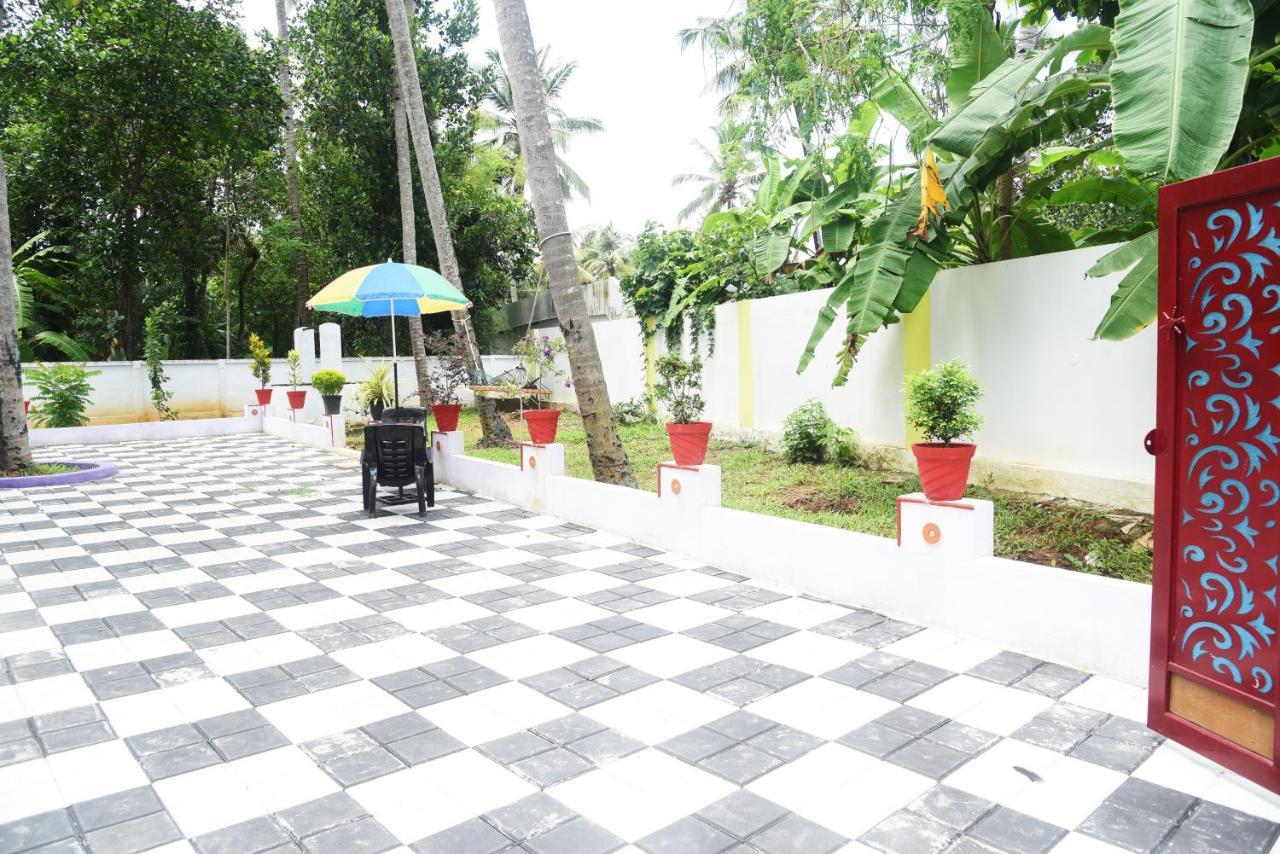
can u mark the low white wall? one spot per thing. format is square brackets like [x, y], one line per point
[1097, 624]
[106, 434]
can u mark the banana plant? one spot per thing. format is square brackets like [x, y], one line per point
[1159, 69]
[31, 280]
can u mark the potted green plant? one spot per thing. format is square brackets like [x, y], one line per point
[940, 404]
[679, 387]
[538, 355]
[297, 396]
[328, 384]
[448, 373]
[376, 390]
[260, 367]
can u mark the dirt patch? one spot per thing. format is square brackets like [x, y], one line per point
[810, 499]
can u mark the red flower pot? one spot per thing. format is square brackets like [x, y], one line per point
[446, 416]
[944, 469]
[264, 396]
[297, 398]
[689, 442]
[542, 425]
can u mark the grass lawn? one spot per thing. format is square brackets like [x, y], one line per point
[43, 468]
[1031, 528]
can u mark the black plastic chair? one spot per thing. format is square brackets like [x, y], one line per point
[396, 455]
[404, 415]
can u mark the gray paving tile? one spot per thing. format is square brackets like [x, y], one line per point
[1009, 830]
[796, 835]
[908, 833]
[530, 816]
[687, 836]
[578, 836]
[42, 829]
[134, 835]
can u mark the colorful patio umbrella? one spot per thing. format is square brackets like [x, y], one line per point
[390, 290]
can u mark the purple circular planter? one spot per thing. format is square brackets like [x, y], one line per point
[84, 472]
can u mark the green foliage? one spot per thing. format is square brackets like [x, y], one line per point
[377, 387]
[808, 434]
[679, 386]
[62, 394]
[538, 354]
[328, 381]
[123, 114]
[941, 402]
[155, 350]
[847, 450]
[1133, 306]
[633, 411]
[449, 368]
[260, 354]
[295, 368]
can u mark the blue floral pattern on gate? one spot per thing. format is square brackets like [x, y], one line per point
[1228, 465]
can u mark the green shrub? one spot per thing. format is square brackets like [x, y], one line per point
[633, 411]
[846, 449]
[260, 367]
[328, 381]
[808, 434]
[377, 387]
[62, 394]
[449, 370]
[941, 401]
[680, 387]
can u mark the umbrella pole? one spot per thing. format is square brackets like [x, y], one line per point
[395, 364]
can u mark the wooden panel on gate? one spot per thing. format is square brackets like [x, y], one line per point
[1214, 651]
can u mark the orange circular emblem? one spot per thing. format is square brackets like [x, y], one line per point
[439, 447]
[675, 486]
[533, 462]
[931, 533]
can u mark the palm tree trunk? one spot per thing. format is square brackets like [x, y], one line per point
[409, 234]
[608, 458]
[15, 450]
[303, 290]
[495, 430]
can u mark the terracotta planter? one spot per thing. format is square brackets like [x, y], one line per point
[297, 398]
[264, 396]
[944, 469]
[446, 415]
[689, 442]
[542, 425]
[332, 403]
[26, 407]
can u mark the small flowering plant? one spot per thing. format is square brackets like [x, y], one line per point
[538, 354]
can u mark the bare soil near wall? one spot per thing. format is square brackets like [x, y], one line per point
[1039, 529]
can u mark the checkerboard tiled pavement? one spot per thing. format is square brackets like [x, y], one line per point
[217, 650]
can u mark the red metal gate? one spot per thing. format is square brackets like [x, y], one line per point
[1215, 658]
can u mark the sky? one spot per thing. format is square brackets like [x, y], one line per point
[631, 75]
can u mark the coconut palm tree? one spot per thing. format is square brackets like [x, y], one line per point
[498, 125]
[537, 142]
[494, 428]
[604, 253]
[729, 175]
[408, 226]
[303, 290]
[15, 450]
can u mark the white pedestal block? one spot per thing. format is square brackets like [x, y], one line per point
[445, 444]
[336, 425]
[963, 529]
[689, 486]
[539, 463]
[254, 410]
[331, 346]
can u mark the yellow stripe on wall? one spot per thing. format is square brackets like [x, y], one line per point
[746, 369]
[917, 351]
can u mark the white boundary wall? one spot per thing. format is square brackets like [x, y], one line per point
[221, 388]
[1064, 414]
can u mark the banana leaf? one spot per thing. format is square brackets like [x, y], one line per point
[974, 50]
[1178, 81]
[1133, 305]
[895, 95]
